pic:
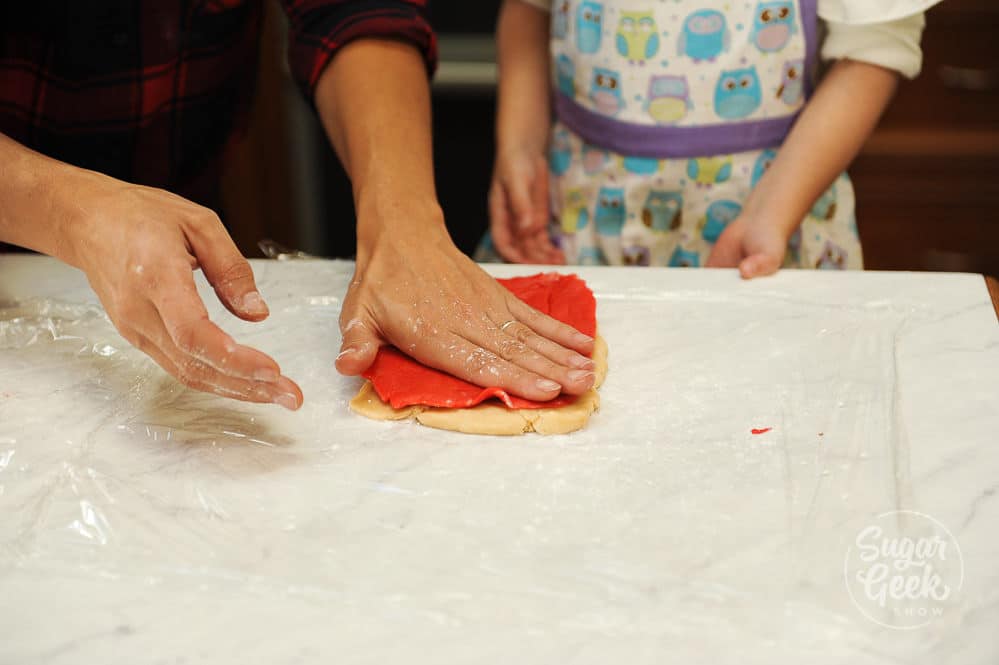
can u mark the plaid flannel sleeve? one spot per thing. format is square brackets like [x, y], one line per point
[319, 28]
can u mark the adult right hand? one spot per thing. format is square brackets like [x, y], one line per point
[138, 247]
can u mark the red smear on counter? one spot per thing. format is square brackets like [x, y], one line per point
[402, 381]
[761, 431]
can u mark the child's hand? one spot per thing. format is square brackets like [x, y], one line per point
[753, 245]
[518, 209]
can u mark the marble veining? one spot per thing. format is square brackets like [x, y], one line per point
[146, 523]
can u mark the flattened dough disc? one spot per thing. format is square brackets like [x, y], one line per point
[491, 418]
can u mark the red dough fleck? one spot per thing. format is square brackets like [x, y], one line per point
[401, 381]
[761, 431]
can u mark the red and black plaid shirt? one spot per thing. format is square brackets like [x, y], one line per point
[150, 91]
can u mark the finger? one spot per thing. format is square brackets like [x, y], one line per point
[514, 343]
[463, 358]
[186, 322]
[547, 348]
[539, 194]
[535, 250]
[225, 268]
[501, 225]
[518, 189]
[758, 265]
[359, 347]
[549, 328]
[549, 252]
[199, 376]
[727, 251]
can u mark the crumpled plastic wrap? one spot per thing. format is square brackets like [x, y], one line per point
[143, 522]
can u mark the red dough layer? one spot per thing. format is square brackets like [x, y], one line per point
[401, 381]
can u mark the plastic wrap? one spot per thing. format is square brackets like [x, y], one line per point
[143, 522]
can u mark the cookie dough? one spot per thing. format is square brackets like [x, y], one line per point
[490, 418]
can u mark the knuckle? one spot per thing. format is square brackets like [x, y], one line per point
[511, 349]
[191, 371]
[237, 270]
[183, 336]
[205, 217]
[522, 334]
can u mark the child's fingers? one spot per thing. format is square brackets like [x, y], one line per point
[500, 222]
[726, 253]
[759, 265]
[518, 191]
[539, 194]
[541, 249]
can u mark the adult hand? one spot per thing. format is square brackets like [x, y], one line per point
[138, 247]
[518, 209]
[753, 245]
[415, 290]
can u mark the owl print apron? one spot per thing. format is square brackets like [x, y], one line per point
[667, 115]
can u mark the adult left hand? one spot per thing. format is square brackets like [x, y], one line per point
[752, 245]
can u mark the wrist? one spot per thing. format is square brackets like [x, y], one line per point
[781, 213]
[402, 219]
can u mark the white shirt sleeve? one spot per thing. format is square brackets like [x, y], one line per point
[886, 33]
[544, 5]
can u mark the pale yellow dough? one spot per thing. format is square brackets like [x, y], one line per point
[490, 418]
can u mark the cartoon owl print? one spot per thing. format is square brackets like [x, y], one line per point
[705, 36]
[560, 19]
[683, 258]
[635, 255]
[605, 91]
[610, 212]
[707, 171]
[594, 159]
[825, 207]
[792, 85]
[560, 154]
[640, 165]
[718, 216]
[773, 25]
[575, 216]
[738, 93]
[637, 36]
[589, 17]
[833, 257]
[669, 99]
[565, 75]
[763, 163]
[663, 210]
[591, 256]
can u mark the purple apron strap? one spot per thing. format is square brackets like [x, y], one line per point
[659, 142]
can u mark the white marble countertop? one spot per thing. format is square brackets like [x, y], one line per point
[144, 523]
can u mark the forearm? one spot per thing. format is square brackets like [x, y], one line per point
[524, 80]
[374, 103]
[35, 198]
[827, 137]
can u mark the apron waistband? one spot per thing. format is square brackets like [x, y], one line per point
[655, 141]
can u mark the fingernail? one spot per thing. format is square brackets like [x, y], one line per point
[287, 400]
[349, 350]
[525, 221]
[253, 304]
[581, 362]
[582, 339]
[267, 375]
[580, 376]
[548, 386]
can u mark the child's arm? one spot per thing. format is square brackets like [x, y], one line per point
[518, 197]
[830, 132]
